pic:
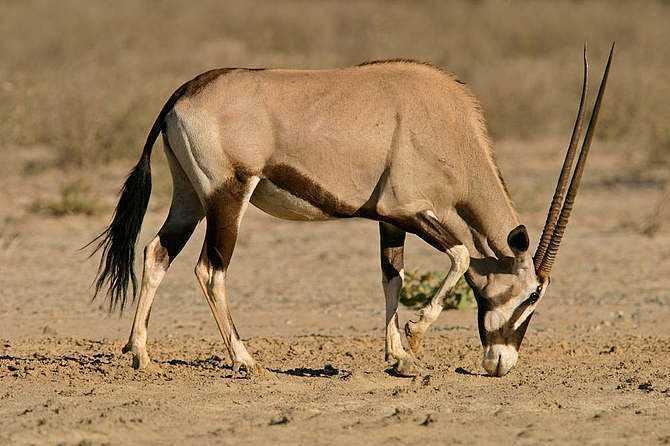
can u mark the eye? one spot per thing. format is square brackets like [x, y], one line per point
[534, 297]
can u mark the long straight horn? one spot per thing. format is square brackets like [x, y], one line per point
[562, 222]
[562, 184]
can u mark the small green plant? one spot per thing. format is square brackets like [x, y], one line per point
[74, 199]
[420, 287]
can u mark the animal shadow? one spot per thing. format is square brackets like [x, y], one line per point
[328, 371]
[462, 371]
[212, 362]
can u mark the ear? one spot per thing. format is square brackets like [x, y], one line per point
[518, 240]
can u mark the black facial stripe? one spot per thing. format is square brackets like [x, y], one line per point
[480, 324]
[518, 311]
[483, 306]
[521, 331]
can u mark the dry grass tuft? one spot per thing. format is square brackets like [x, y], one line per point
[9, 236]
[654, 222]
[74, 199]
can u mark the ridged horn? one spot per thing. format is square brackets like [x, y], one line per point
[549, 256]
[562, 184]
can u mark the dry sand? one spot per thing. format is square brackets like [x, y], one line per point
[594, 368]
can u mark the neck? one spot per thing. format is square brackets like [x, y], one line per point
[490, 216]
[487, 216]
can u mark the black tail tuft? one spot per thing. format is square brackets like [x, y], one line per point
[117, 242]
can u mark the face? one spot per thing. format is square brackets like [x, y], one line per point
[506, 300]
[503, 319]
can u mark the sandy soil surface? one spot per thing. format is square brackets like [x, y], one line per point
[594, 368]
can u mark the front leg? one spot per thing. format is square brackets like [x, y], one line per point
[392, 241]
[460, 261]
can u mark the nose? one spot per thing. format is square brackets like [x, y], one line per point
[499, 359]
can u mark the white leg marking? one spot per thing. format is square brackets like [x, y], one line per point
[153, 274]
[213, 284]
[393, 344]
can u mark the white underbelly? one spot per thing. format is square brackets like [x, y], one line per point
[282, 204]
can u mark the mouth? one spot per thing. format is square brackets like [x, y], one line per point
[499, 359]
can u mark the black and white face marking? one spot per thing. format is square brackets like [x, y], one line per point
[502, 329]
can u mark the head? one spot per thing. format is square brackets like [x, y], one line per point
[509, 288]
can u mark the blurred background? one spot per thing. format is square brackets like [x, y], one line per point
[87, 78]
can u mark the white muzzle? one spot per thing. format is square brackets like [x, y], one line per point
[499, 359]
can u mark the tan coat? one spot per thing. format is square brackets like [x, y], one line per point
[400, 142]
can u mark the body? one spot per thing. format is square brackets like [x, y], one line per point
[399, 142]
[352, 136]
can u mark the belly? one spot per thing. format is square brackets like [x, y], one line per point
[282, 204]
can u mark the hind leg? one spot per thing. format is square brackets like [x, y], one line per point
[185, 213]
[224, 213]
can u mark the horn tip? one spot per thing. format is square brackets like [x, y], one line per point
[586, 57]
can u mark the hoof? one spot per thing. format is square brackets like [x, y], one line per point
[141, 359]
[406, 367]
[251, 371]
[414, 338]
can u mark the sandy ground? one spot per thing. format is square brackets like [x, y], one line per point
[594, 368]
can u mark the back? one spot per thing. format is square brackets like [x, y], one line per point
[347, 128]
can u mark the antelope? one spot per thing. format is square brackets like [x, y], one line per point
[400, 142]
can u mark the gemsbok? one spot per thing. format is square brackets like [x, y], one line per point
[397, 141]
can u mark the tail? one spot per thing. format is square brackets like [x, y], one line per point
[117, 242]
